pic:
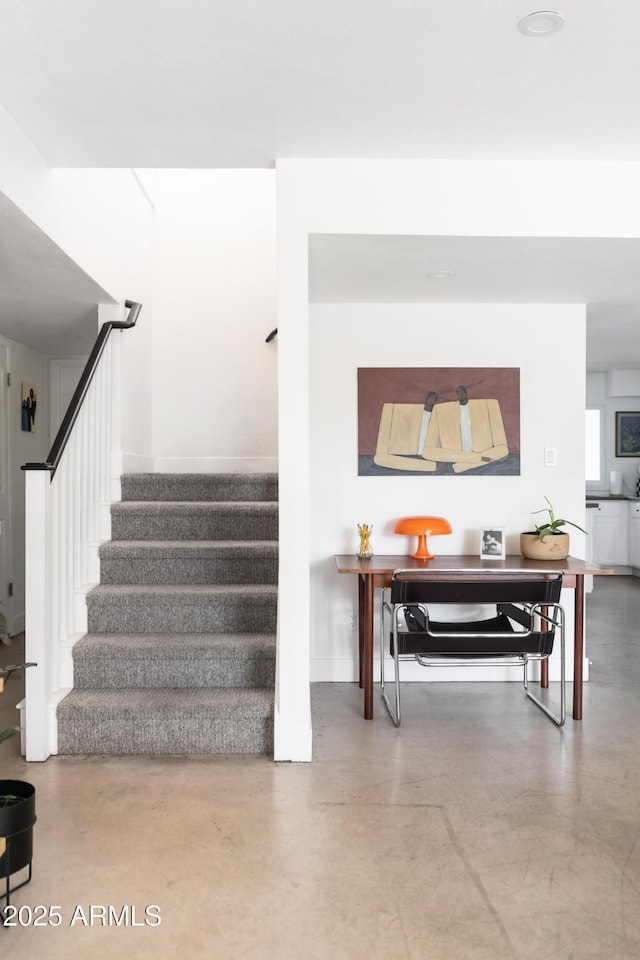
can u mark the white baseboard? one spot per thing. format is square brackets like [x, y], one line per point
[345, 670]
[342, 670]
[134, 463]
[51, 747]
[53, 720]
[215, 465]
[65, 660]
[292, 741]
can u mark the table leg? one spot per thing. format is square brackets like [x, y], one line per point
[544, 673]
[367, 647]
[361, 631]
[578, 648]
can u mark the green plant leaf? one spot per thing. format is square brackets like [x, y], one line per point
[573, 525]
[7, 671]
[8, 733]
[8, 798]
[551, 516]
[554, 524]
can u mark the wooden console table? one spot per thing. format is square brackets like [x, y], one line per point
[376, 572]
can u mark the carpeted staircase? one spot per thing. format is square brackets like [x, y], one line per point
[180, 651]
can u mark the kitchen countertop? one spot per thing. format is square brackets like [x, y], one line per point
[609, 496]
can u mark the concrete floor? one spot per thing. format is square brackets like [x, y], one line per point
[477, 831]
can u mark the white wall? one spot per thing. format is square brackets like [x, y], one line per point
[100, 218]
[197, 249]
[375, 335]
[64, 374]
[103, 221]
[25, 366]
[434, 198]
[214, 377]
[599, 394]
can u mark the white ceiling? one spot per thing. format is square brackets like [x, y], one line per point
[472, 269]
[237, 83]
[389, 269]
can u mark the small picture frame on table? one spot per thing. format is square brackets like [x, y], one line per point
[492, 543]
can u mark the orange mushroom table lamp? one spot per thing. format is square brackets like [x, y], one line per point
[421, 527]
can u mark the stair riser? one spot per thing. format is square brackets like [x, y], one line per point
[133, 526]
[175, 570]
[109, 673]
[118, 734]
[200, 487]
[168, 614]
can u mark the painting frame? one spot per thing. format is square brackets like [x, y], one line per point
[28, 404]
[627, 433]
[493, 543]
[438, 421]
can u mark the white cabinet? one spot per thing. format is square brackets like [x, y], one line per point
[634, 534]
[609, 531]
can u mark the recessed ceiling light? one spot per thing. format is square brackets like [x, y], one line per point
[440, 274]
[541, 23]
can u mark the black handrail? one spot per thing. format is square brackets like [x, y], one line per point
[70, 417]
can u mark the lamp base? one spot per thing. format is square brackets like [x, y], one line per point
[422, 553]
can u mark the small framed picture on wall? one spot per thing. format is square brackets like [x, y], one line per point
[492, 543]
[29, 406]
[627, 434]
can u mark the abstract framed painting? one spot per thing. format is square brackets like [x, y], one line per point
[434, 421]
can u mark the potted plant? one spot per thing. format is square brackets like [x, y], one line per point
[547, 541]
[17, 813]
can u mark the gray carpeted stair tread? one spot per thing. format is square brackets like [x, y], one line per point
[196, 507]
[199, 549]
[185, 571]
[185, 562]
[168, 520]
[104, 661]
[140, 644]
[135, 608]
[228, 703]
[147, 721]
[262, 591]
[200, 486]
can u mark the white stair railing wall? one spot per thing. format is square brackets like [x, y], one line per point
[67, 510]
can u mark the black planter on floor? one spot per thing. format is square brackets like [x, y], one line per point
[17, 817]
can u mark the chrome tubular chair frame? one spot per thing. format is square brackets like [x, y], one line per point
[535, 616]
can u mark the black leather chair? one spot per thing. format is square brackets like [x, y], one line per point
[523, 617]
